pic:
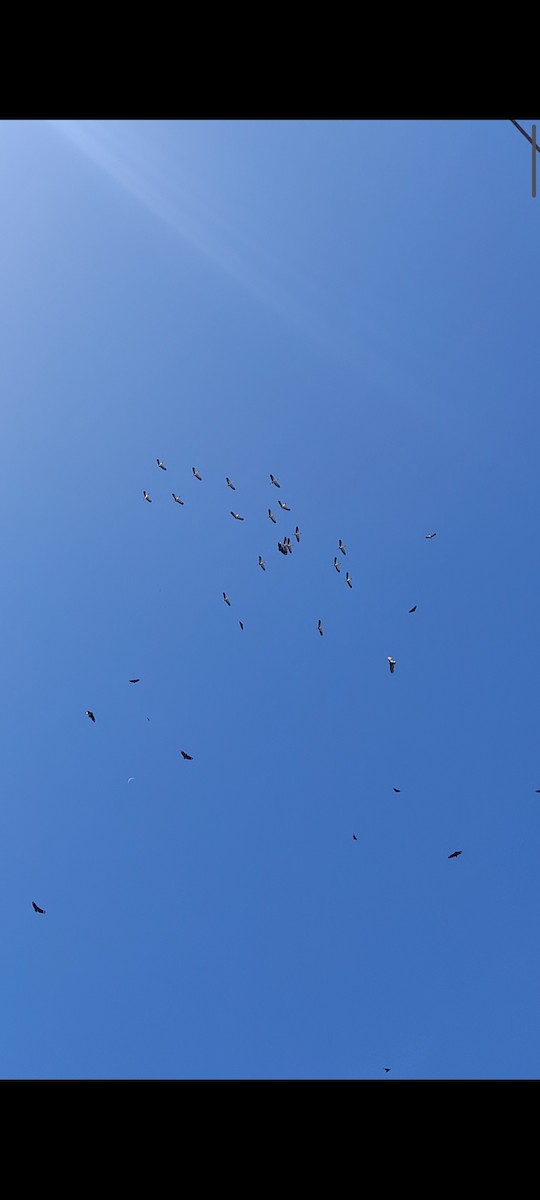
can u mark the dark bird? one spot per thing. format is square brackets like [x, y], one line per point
[271, 515]
[147, 497]
[413, 609]
[336, 564]
[341, 547]
[186, 755]
[283, 506]
[176, 498]
[230, 483]
[281, 548]
[396, 789]
[319, 627]
[36, 907]
[354, 837]
[236, 516]
[241, 624]
[349, 580]
[274, 481]
[226, 599]
[430, 535]
[160, 464]
[134, 681]
[287, 543]
[196, 473]
[538, 791]
[262, 564]
[297, 534]
[387, 1069]
[391, 663]
[91, 715]
[455, 853]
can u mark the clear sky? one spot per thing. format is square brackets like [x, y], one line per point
[354, 307]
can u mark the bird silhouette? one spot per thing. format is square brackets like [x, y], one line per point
[147, 497]
[226, 599]
[387, 1069]
[282, 548]
[336, 564]
[272, 517]
[176, 498]
[341, 547]
[274, 481]
[354, 837]
[184, 754]
[348, 578]
[262, 564]
[430, 535]
[196, 473]
[230, 483]
[134, 681]
[396, 789]
[160, 464]
[319, 627]
[391, 664]
[241, 624]
[297, 534]
[36, 907]
[413, 609]
[285, 507]
[236, 516]
[455, 853]
[91, 715]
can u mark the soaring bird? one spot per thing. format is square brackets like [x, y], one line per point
[387, 1069]
[538, 791]
[297, 534]
[36, 907]
[319, 627]
[413, 609]
[348, 578]
[186, 755]
[160, 464]
[196, 473]
[284, 506]
[354, 837]
[274, 481]
[396, 789]
[272, 517]
[236, 516]
[430, 535]
[336, 564]
[455, 853]
[226, 599]
[282, 548]
[176, 498]
[91, 715]
[262, 564]
[147, 497]
[241, 624]
[391, 663]
[341, 547]
[134, 681]
[230, 483]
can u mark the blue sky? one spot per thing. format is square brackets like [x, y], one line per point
[352, 306]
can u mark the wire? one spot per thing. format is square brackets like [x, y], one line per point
[529, 139]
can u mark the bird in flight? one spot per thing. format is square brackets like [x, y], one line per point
[297, 534]
[391, 663]
[455, 853]
[354, 837]
[160, 464]
[230, 483]
[262, 564]
[226, 599]
[287, 544]
[176, 498]
[430, 535]
[387, 1069]
[274, 481]
[284, 506]
[271, 515]
[413, 609]
[282, 548]
[319, 627]
[538, 791]
[147, 497]
[336, 564]
[396, 789]
[186, 755]
[134, 681]
[196, 473]
[91, 715]
[241, 624]
[341, 547]
[36, 907]
[348, 578]
[236, 516]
